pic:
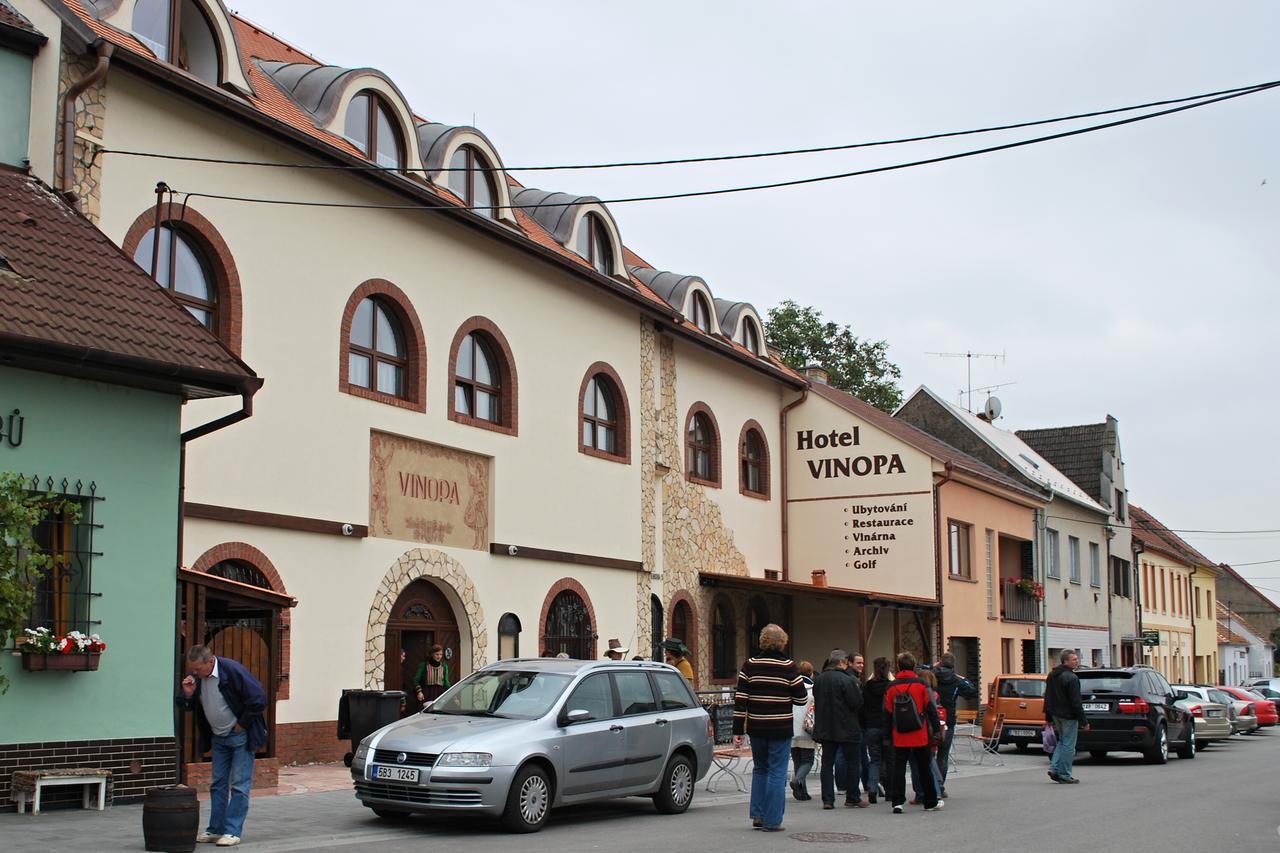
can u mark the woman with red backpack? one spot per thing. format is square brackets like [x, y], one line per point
[912, 715]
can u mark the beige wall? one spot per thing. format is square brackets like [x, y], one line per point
[45, 104]
[1167, 615]
[821, 510]
[1078, 607]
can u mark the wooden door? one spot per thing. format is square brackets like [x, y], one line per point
[420, 618]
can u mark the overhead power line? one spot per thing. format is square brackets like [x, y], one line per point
[716, 158]
[751, 187]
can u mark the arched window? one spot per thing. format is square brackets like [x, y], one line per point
[759, 610]
[240, 572]
[682, 622]
[702, 447]
[471, 180]
[701, 312]
[568, 627]
[604, 414]
[751, 337]
[371, 127]
[594, 243]
[508, 636]
[178, 32]
[723, 640]
[377, 358]
[183, 270]
[753, 462]
[484, 378]
[656, 625]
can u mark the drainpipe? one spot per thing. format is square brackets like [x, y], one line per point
[104, 51]
[782, 427]
[947, 470]
[1040, 572]
[1109, 533]
[1134, 567]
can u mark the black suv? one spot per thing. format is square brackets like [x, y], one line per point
[1131, 709]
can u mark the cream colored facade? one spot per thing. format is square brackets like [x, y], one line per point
[1205, 624]
[1074, 542]
[1167, 608]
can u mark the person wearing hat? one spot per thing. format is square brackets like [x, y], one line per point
[676, 653]
[616, 650]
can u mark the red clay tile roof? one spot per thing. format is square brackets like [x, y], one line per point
[14, 21]
[1228, 616]
[921, 440]
[69, 294]
[1156, 537]
[273, 103]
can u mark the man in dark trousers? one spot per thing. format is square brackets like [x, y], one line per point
[837, 701]
[1063, 708]
[950, 688]
[228, 702]
[911, 720]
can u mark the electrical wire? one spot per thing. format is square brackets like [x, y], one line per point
[756, 187]
[708, 159]
[1156, 531]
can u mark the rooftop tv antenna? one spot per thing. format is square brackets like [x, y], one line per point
[969, 357]
[984, 389]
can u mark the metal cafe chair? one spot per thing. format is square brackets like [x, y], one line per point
[982, 749]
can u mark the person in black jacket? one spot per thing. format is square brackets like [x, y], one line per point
[875, 731]
[837, 701]
[950, 688]
[228, 702]
[1063, 708]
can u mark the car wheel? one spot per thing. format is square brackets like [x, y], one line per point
[528, 801]
[1099, 754]
[1159, 753]
[676, 790]
[1188, 749]
[391, 814]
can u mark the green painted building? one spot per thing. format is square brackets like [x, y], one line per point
[96, 364]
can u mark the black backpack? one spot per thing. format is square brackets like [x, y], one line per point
[906, 716]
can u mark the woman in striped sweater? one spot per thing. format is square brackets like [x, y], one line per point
[768, 687]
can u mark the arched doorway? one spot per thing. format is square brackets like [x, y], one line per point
[568, 629]
[420, 618]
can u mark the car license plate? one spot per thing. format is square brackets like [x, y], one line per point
[396, 774]
[1097, 706]
[1215, 713]
[1024, 733]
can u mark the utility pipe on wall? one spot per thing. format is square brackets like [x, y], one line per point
[104, 50]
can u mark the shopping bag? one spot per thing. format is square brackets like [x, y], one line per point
[1049, 738]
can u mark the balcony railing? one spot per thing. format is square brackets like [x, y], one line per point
[1017, 605]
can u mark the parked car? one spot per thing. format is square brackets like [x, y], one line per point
[1273, 683]
[1268, 692]
[1133, 709]
[1243, 718]
[520, 737]
[1021, 699]
[1212, 719]
[1264, 708]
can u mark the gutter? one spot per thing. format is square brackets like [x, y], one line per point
[782, 427]
[104, 49]
[947, 471]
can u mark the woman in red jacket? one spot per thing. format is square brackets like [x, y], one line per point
[911, 720]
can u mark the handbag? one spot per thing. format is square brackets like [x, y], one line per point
[807, 723]
[1049, 738]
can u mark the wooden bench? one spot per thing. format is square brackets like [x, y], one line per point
[27, 785]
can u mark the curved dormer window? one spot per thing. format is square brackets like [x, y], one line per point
[178, 32]
[701, 312]
[594, 243]
[751, 337]
[371, 127]
[470, 179]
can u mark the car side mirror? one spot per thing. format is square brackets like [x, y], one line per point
[578, 715]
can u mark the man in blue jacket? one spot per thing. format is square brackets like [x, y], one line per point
[228, 702]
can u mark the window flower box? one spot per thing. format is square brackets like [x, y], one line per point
[56, 662]
[44, 651]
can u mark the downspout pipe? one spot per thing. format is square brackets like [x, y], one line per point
[104, 50]
[782, 428]
[948, 469]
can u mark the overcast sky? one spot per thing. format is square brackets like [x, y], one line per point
[1131, 271]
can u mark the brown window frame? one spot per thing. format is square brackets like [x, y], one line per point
[763, 493]
[965, 570]
[712, 449]
[175, 39]
[376, 102]
[377, 356]
[415, 378]
[478, 169]
[751, 337]
[717, 637]
[599, 243]
[701, 311]
[622, 411]
[504, 364]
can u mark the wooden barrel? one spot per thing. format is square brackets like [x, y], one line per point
[170, 819]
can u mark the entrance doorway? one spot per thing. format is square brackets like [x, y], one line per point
[420, 618]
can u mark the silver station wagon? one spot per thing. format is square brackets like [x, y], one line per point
[520, 737]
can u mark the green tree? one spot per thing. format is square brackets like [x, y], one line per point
[21, 561]
[860, 367]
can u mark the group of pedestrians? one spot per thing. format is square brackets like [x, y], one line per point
[870, 733]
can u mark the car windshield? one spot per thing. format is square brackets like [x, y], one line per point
[510, 693]
[1219, 696]
[1106, 682]
[1022, 688]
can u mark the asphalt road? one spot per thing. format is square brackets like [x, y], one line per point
[1225, 799]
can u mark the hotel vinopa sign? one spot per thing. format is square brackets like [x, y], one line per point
[422, 492]
[861, 507]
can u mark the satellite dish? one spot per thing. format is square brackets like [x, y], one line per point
[993, 408]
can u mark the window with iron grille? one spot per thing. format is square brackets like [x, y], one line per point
[64, 591]
[724, 640]
[568, 628]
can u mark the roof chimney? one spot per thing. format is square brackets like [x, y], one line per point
[816, 372]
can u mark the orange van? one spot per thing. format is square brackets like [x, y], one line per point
[1021, 699]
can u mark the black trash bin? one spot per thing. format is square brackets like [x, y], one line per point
[363, 712]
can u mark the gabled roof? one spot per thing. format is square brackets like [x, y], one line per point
[1237, 577]
[14, 27]
[1019, 454]
[1155, 536]
[72, 302]
[1228, 617]
[921, 440]
[1076, 451]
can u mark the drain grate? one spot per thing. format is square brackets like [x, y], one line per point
[828, 837]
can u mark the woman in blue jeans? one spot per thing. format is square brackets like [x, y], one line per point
[769, 687]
